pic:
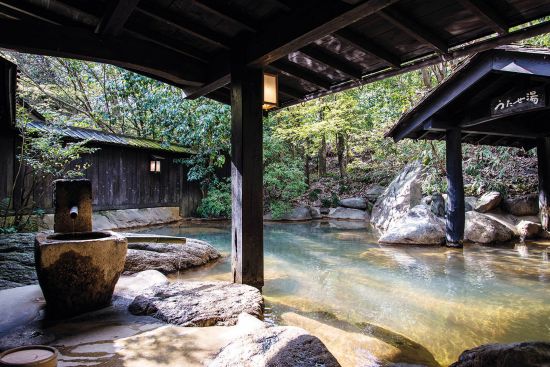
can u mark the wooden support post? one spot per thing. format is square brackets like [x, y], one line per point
[543, 155]
[455, 189]
[247, 175]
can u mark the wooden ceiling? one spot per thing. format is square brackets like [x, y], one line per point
[316, 47]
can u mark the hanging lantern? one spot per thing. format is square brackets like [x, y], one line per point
[271, 91]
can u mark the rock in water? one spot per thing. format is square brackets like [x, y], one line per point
[315, 212]
[354, 203]
[481, 228]
[275, 347]
[419, 227]
[403, 193]
[199, 303]
[528, 354]
[521, 206]
[348, 213]
[527, 229]
[488, 201]
[168, 257]
[296, 214]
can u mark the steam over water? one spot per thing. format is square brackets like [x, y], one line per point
[369, 302]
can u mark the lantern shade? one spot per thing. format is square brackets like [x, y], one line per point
[155, 166]
[271, 92]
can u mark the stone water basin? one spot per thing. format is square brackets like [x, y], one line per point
[78, 271]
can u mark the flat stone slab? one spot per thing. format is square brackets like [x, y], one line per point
[168, 257]
[199, 303]
[17, 260]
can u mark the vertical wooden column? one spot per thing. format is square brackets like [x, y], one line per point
[247, 175]
[455, 189]
[543, 157]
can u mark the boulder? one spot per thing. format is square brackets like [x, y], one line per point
[436, 203]
[324, 211]
[488, 201]
[481, 228]
[168, 257]
[527, 354]
[315, 212]
[469, 203]
[354, 203]
[527, 229]
[419, 227]
[297, 214]
[374, 192]
[348, 213]
[280, 346]
[17, 260]
[403, 193]
[199, 303]
[522, 205]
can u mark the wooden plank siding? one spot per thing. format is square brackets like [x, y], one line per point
[120, 179]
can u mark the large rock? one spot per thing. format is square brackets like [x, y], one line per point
[128, 218]
[168, 257]
[488, 201]
[403, 193]
[481, 228]
[469, 203]
[348, 213]
[374, 192]
[199, 303]
[436, 203]
[528, 354]
[17, 260]
[419, 227]
[522, 205]
[297, 214]
[527, 229]
[315, 212]
[275, 347]
[354, 203]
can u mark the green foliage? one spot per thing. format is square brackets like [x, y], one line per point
[217, 202]
[283, 182]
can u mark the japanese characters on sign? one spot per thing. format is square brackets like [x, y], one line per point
[520, 101]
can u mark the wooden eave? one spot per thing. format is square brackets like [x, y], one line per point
[463, 101]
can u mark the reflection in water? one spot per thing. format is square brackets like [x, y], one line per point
[447, 300]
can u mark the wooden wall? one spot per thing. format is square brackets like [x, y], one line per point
[121, 180]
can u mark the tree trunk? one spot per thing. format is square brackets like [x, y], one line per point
[341, 150]
[322, 169]
[307, 161]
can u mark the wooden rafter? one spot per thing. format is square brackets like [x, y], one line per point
[116, 15]
[301, 27]
[229, 13]
[29, 12]
[414, 29]
[326, 57]
[140, 56]
[487, 14]
[185, 25]
[290, 92]
[296, 71]
[368, 47]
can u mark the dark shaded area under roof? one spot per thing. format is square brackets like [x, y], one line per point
[96, 136]
[316, 47]
[464, 101]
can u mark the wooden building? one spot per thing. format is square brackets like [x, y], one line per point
[221, 49]
[498, 97]
[126, 172]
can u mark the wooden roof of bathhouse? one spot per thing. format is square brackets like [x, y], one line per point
[316, 47]
[101, 137]
[474, 97]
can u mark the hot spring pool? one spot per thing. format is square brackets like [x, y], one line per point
[411, 304]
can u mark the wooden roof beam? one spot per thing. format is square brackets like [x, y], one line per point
[320, 54]
[117, 13]
[290, 92]
[184, 25]
[229, 13]
[486, 14]
[414, 29]
[368, 47]
[31, 12]
[301, 27]
[78, 43]
[299, 72]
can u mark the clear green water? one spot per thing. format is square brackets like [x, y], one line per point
[407, 304]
